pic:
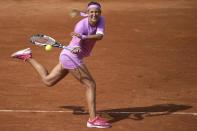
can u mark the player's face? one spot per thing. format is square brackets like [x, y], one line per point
[93, 15]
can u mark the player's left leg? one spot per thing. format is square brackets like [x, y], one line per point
[84, 76]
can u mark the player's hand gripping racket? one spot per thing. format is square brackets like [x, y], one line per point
[44, 40]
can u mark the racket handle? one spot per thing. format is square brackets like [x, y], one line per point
[62, 46]
[65, 47]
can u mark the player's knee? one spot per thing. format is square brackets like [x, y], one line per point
[48, 83]
[88, 81]
[91, 84]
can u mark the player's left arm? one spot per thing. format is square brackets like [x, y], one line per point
[86, 37]
[99, 32]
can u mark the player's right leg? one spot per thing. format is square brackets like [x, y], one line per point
[49, 79]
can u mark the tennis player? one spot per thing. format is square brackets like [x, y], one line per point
[87, 31]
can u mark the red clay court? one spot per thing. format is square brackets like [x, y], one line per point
[145, 67]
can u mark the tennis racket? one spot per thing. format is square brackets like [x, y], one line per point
[44, 40]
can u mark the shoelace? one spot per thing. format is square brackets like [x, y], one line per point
[99, 120]
[24, 57]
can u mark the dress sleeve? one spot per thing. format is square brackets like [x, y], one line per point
[101, 26]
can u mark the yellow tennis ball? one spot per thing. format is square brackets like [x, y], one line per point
[48, 47]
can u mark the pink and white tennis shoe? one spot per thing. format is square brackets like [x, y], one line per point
[23, 54]
[98, 123]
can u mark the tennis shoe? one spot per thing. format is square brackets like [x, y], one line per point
[98, 123]
[23, 54]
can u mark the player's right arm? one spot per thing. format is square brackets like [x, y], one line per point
[76, 41]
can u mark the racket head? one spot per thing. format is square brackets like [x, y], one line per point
[42, 40]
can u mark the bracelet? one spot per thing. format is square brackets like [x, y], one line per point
[83, 37]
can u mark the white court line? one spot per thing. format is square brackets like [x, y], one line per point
[112, 112]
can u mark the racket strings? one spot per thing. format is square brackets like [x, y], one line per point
[42, 41]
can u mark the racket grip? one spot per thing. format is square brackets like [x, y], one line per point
[67, 48]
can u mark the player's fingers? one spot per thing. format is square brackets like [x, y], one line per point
[76, 50]
[73, 51]
[72, 34]
[73, 13]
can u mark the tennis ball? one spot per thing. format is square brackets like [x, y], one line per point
[48, 47]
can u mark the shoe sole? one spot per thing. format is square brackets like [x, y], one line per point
[94, 126]
[14, 55]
